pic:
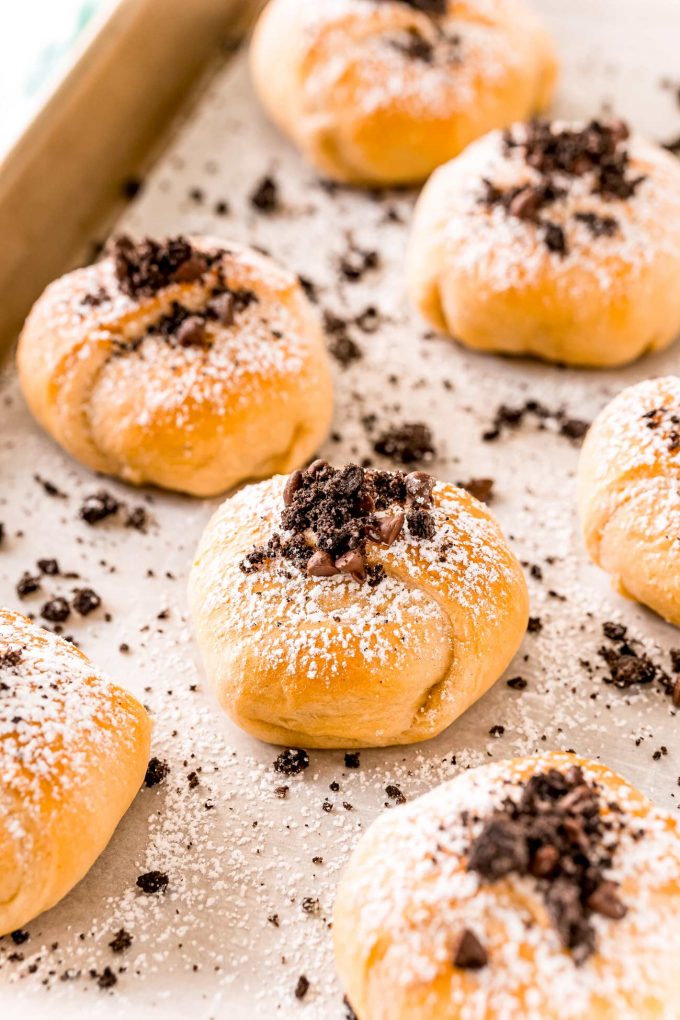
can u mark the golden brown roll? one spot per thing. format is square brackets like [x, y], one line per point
[629, 493]
[350, 608]
[192, 364]
[382, 92]
[553, 240]
[73, 752]
[546, 888]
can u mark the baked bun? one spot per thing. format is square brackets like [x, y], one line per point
[73, 752]
[546, 888]
[354, 608]
[192, 364]
[384, 91]
[559, 241]
[628, 493]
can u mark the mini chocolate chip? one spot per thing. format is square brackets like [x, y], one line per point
[321, 564]
[191, 270]
[191, 333]
[387, 529]
[223, 307]
[292, 485]
[302, 987]
[527, 203]
[470, 954]
[353, 563]
[605, 901]
[419, 485]
[480, 488]
[545, 861]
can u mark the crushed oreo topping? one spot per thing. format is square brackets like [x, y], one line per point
[144, 267]
[598, 149]
[557, 832]
[332, 513]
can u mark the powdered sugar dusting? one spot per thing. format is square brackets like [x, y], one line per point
[512, 251]
[54, 708]
[206, 948]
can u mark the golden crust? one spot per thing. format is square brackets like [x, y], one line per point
[488, 279]
[257, 399]
[331, 663]
[73, 753]
[628, 491]
[398, 916]
[335, 77]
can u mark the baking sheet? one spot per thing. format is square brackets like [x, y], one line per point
[247, 908]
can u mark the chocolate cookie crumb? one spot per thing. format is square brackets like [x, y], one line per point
[153, 882]
[107, 979]
[265, 197]
[156, 771]
[410, 443]
[85, 601]
[48, 567]
[395, 794]
[352, 760]
[98, 507]
[292, 761]
[121, 941]
[57, 610]
[27, 585]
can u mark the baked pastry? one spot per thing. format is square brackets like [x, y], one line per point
[383, 91]
[192, 364]
[554, 240]
[629, 493]
[343, 607]
[546, 888]
[73, 752]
